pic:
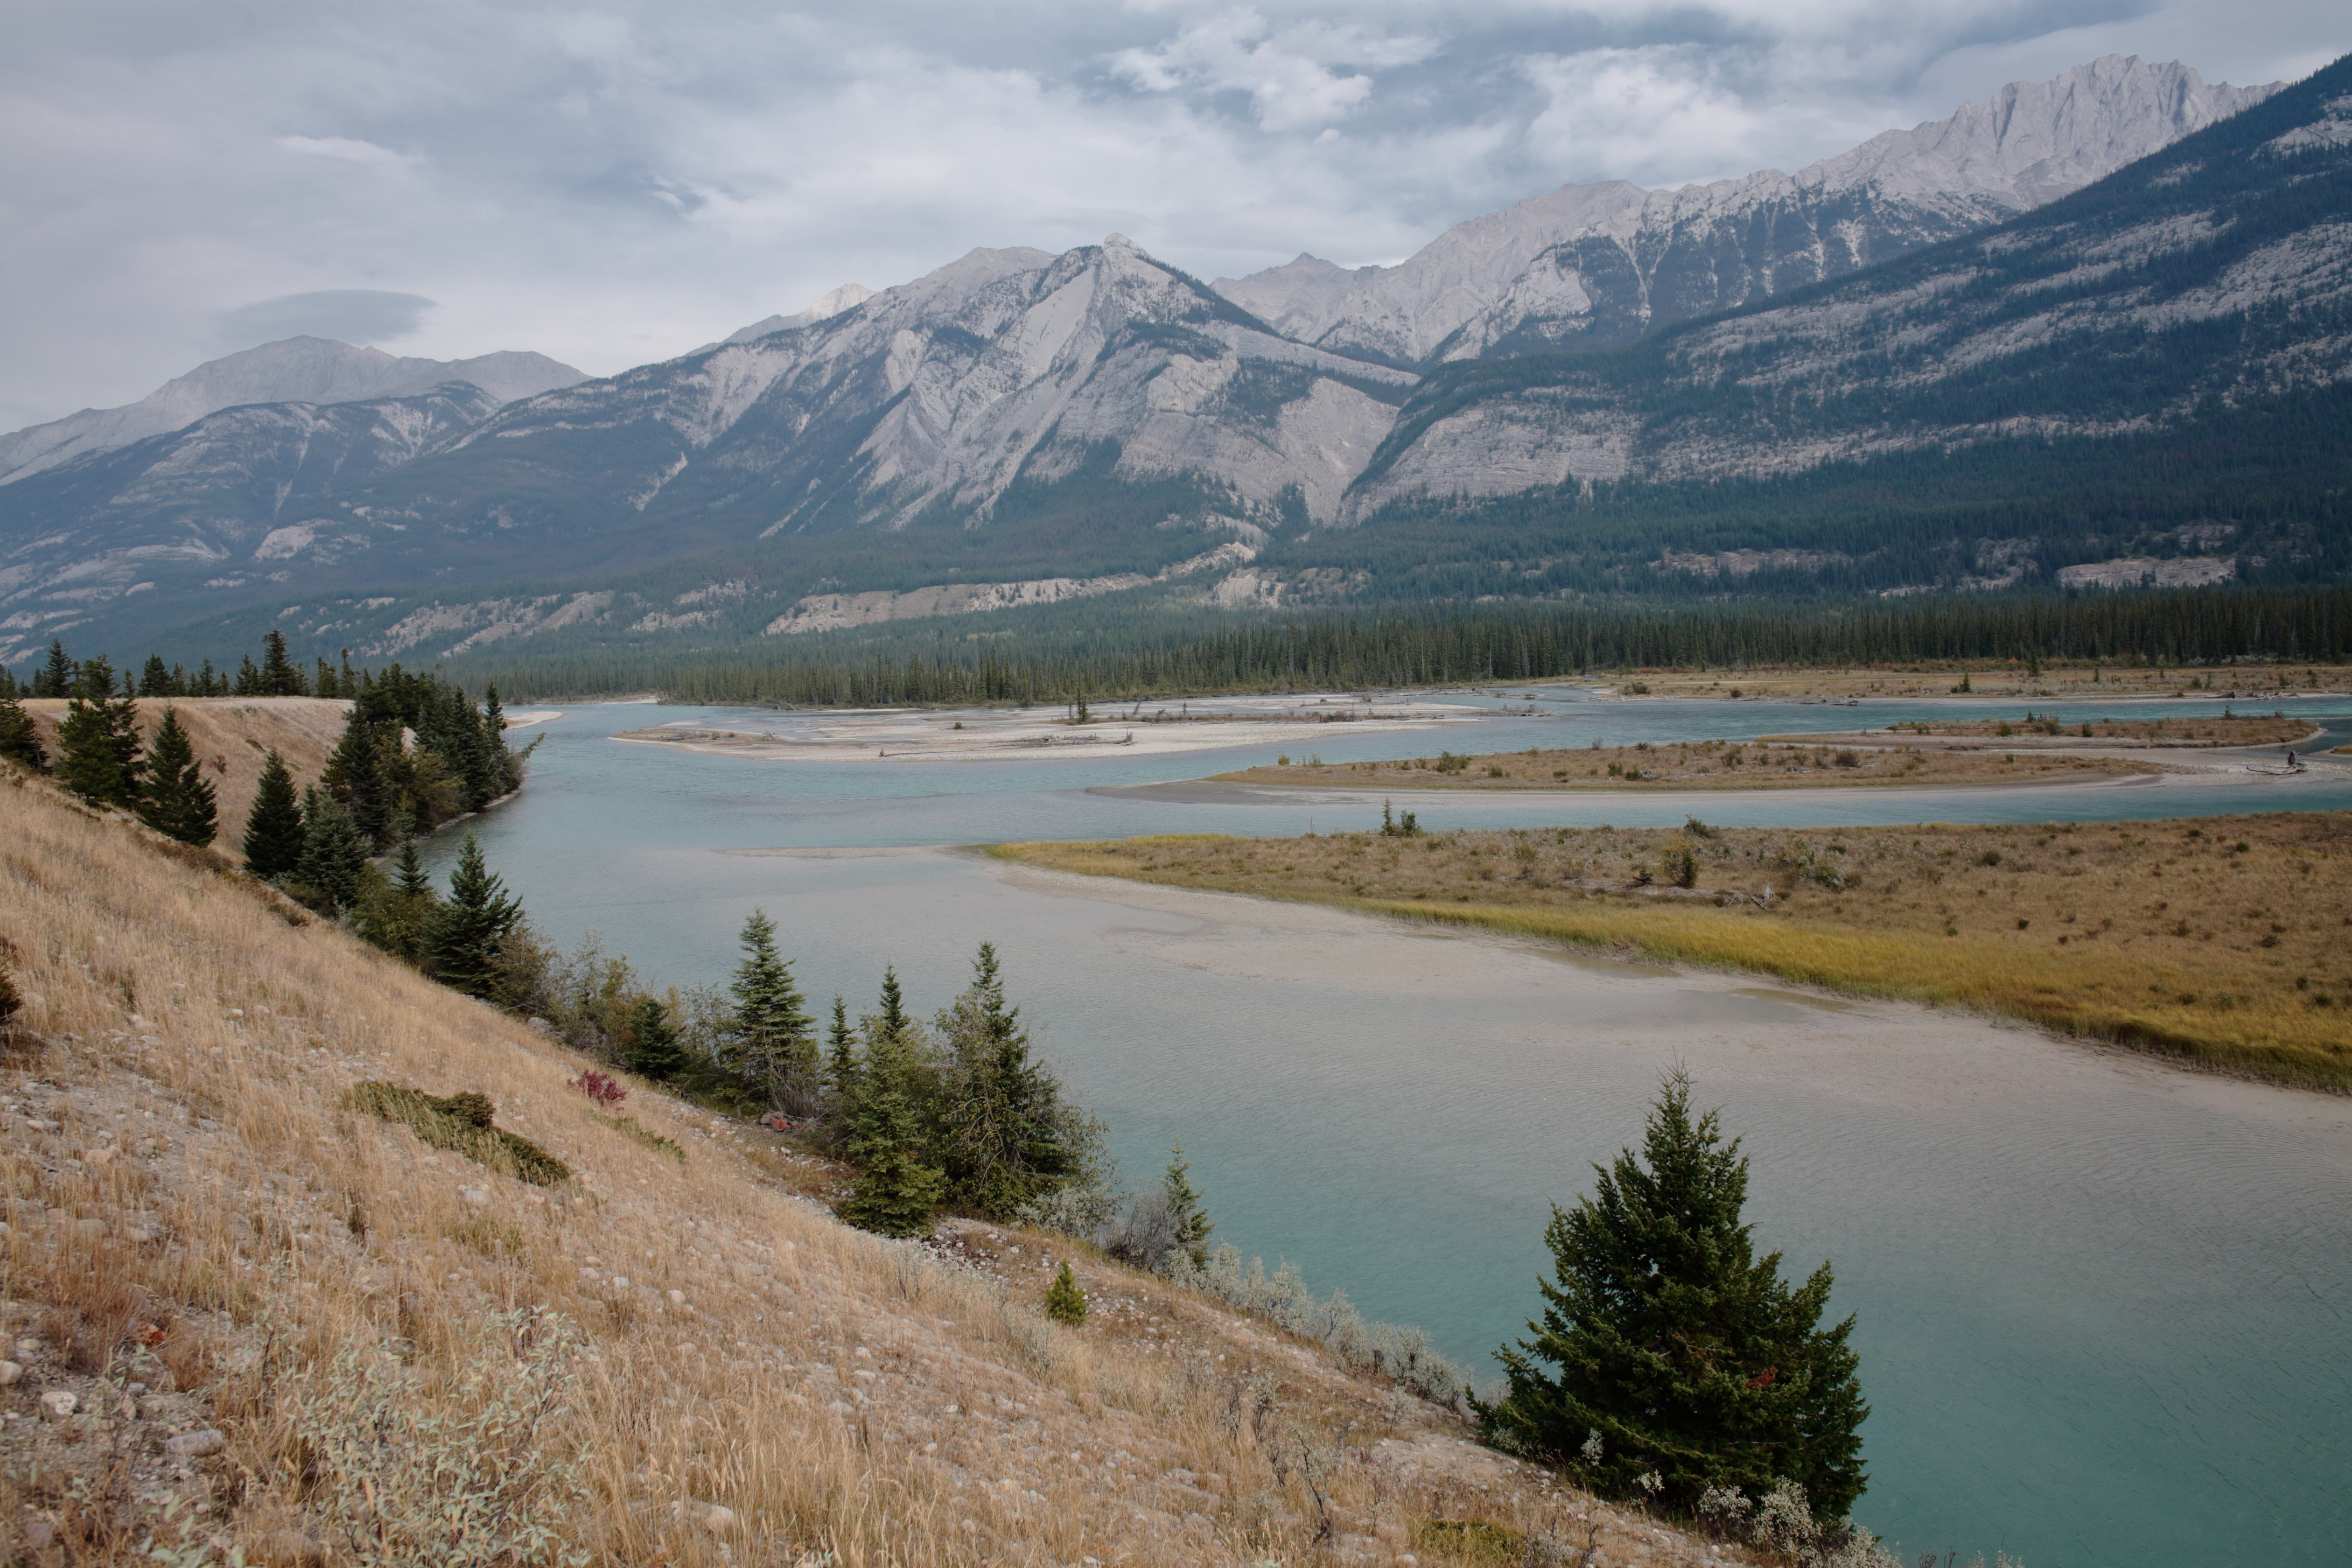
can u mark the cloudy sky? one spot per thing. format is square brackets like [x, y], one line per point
[616, 183]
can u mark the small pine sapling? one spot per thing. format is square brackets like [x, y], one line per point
[1065, 1302]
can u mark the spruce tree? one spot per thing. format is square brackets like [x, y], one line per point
[280, 676]
[650, 1046]
[273, 828]
[772, 1046]
[20, 741]
[248, 680]
[467, 931]
[155, 678]
[208, 684]
[334, 854]
[356, 773]
[178, 802]
[1002, 1132]
[396, 919]
[1687, 1355]
[1189, 1221]
[841, 1071]
[98, 750]
[893, 1017]
[896, 1187]
[56, 676]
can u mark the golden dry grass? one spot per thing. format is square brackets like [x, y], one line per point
[190, 1204]
[1698, 765]
[2000, 678]
[2225, 728]
[232, 736]
[2227, 940]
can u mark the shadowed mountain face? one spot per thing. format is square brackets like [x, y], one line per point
[1596, 266]
[296, 370]
[2136, 368]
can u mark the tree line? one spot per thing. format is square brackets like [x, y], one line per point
[276, 676]
[1114, 657]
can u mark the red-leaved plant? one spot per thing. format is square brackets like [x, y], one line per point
[599, 1087]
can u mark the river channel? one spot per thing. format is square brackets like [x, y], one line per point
[2103, 1305]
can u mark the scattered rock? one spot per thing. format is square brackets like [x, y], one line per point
[9, 1374]
[195, 1445]
[477, 1198]
[90, 1229]
[59, 1403]
[37, 1534]
[676, 1298]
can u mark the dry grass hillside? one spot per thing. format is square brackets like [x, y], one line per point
[246, 1315]
[2220, 939]
[232, 735]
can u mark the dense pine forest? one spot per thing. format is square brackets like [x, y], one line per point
[1087, 650]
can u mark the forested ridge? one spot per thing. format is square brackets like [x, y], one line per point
[1099, 654]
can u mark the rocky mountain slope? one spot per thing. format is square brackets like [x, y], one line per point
[2199, 281]
[2125, 375]
[226, 502]
[296, 370]
[1596, 266]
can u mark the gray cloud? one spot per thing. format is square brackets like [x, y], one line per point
[352, 315]
[617, 184]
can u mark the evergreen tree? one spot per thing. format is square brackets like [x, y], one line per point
[56, 676]
[208, 684]
[249, 679]
[97, 748]
[327, 684]
[896, 1187]
[334, 854]
[1001, 1136]
[179, 803]
[1188, 1221]
[155, 679]
[893, 1017]
[650, 1046]
[279, 677]
[394, 917]
[20, 741]
[1686, 1354]
[408, 870]
[841, 1069]
[357, 775]
[273, 828]
[770, 1046]
[472, 924]
[1065, 1302]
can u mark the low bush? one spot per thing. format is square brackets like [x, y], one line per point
[461, 1123]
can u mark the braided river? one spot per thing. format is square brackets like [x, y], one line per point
[2103, 1305]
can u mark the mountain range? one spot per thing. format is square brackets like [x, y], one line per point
[1900, 368]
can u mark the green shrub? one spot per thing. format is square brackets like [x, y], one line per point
[462, 1124]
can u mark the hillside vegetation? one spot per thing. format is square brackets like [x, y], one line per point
[232, 736]
[251, 1312]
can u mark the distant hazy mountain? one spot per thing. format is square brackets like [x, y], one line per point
[1593, 266]
[295, 370]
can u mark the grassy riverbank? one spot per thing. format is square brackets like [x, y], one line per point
[2223, 941]
[1696, 765]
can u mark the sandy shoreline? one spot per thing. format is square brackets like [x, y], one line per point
[1030, 733]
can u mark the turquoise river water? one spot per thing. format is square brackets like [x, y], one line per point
[2105, 1307]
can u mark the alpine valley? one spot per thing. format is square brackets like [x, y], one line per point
[2096, 332]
